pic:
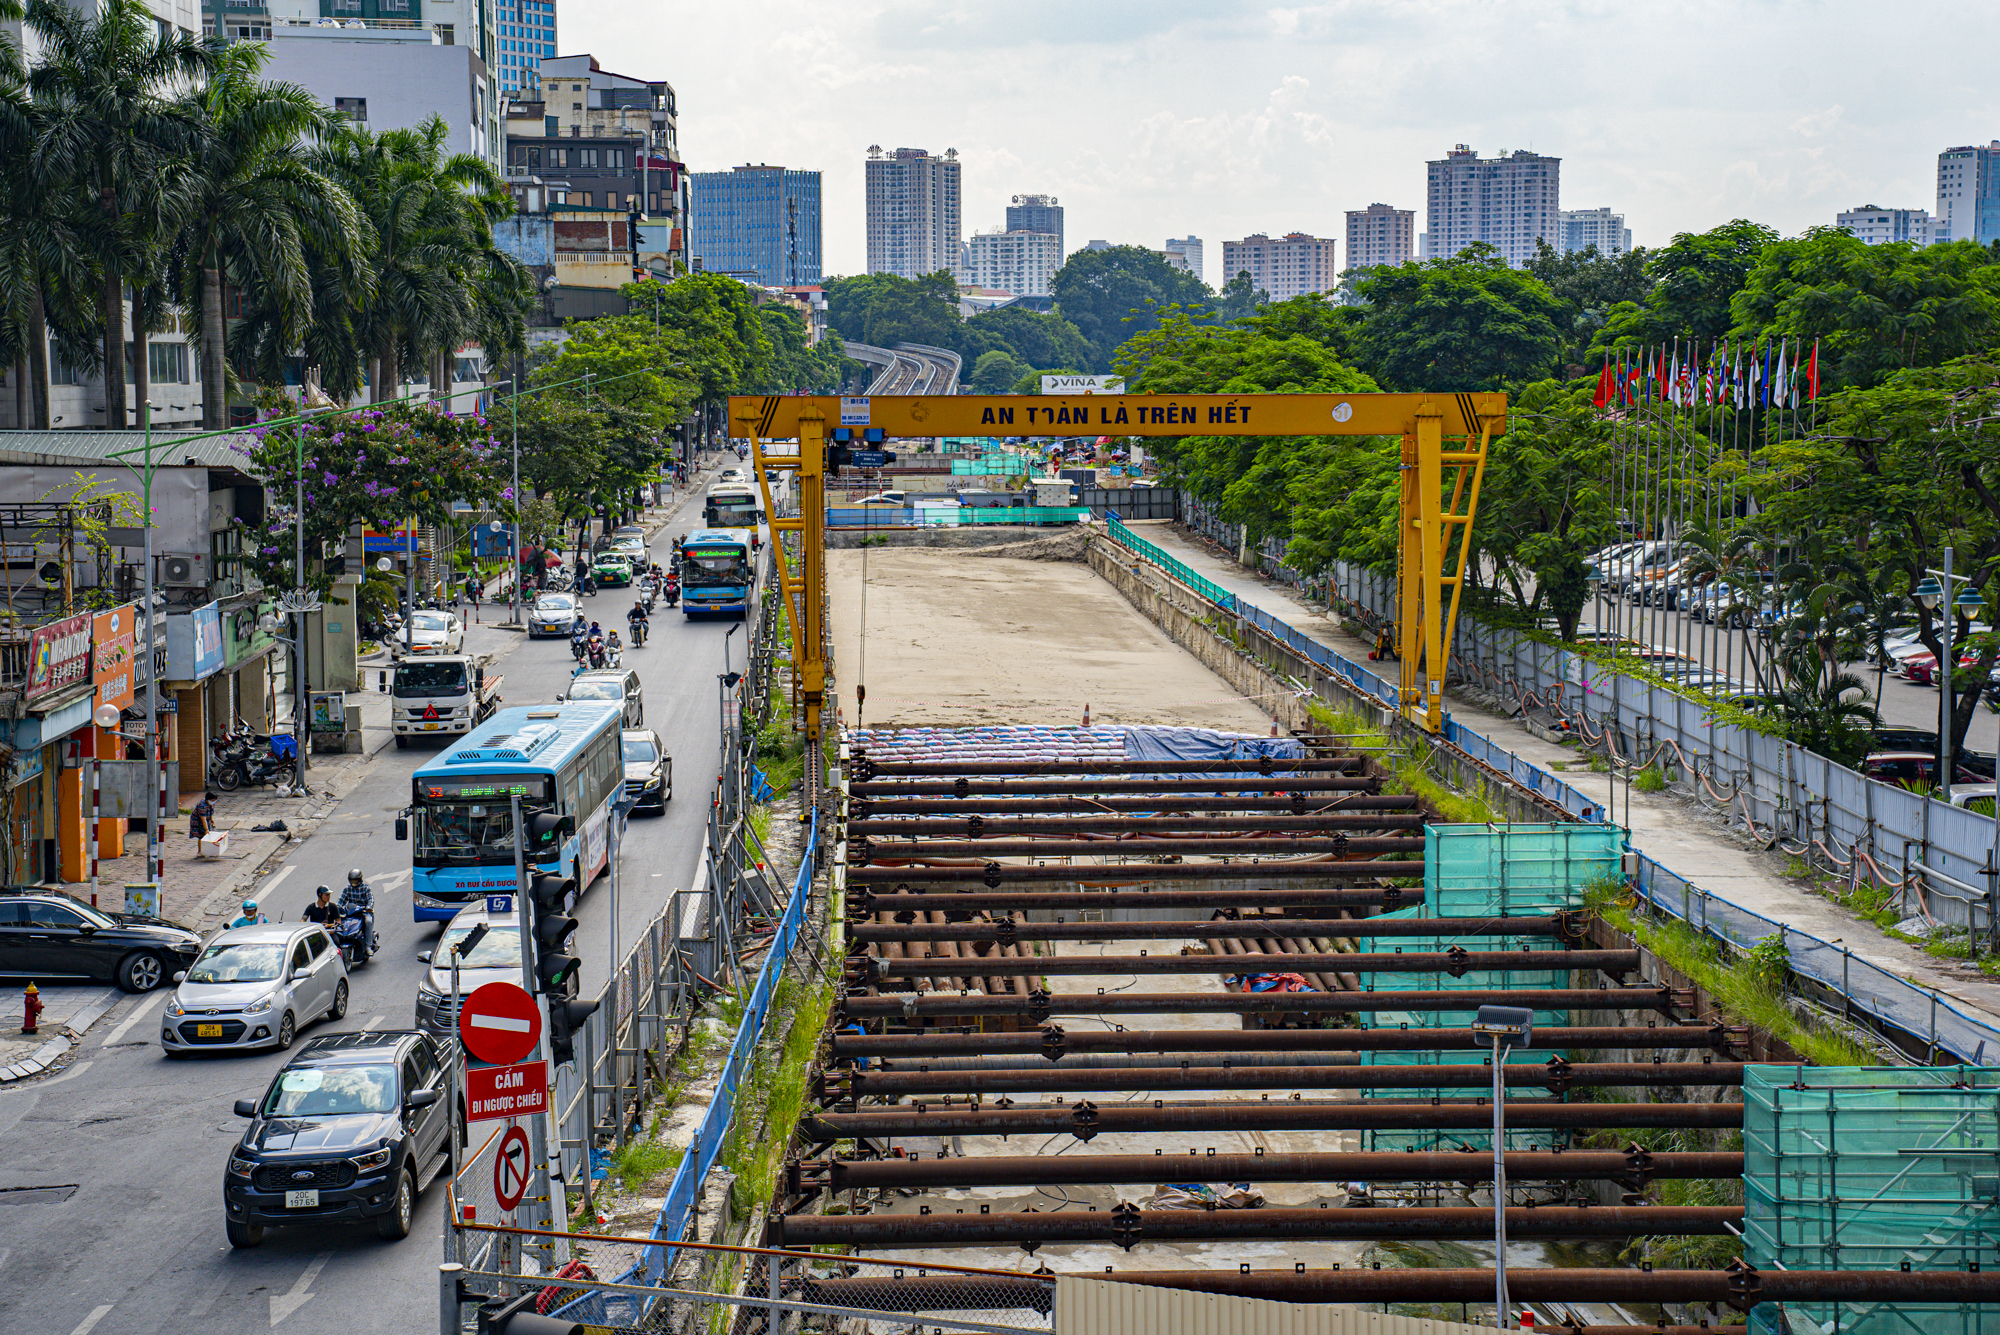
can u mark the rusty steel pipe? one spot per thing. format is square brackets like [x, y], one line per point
[1245, 783]
[906, 769]
[961, 807]
[1274, 847]
[1737, 1286]
[1554, 1075]
[999, 874]
[1000, 901]
[1114, 1061]
[1054, 1041]
[930, 826]
[1200, 929]
[1129, 1227]
[1447, 1166]
[1086, 1120]
[910, 1005]
[1454, 962]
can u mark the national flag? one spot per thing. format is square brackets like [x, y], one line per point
[1812, 373]
[1605, 386]
[1781, 386]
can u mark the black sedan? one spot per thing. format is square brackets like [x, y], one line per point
[50, 937]
[649, 770]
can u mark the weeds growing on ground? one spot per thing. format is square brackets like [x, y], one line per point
[1650, 780]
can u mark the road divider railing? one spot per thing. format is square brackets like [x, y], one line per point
[953, 516]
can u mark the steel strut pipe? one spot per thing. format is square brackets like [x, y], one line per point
[996, 874]
[1039, 1170]
[1455, 962]
[1021, 901]
[1127, 1226]
[1109, 1061]
[1277, 846]
[1201, 929]
[960, 807]
[1054, 1042]
[1555, 1075]
[1246, 783]
[1736, 1286]
[914, 1006]
[866, 767]
[1007, 825]
[1086, 1120]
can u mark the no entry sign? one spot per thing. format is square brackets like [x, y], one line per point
[510, 1168]
[500, 1023]
[494, 1092]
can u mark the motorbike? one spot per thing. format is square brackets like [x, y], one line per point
[588, 586]
[355, 935]
[234, 762]
[637, 626]
[579, 645]
[595, 649]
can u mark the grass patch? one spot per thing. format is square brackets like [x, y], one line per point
[1403, 769]
[774, 1095]
[1650, 780]
[1748, 985]
[641, 1161]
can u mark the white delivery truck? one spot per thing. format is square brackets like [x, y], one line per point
[442, 694]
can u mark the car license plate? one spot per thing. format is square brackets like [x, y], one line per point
[208, 1031]
[430, 727]
[302, 1200]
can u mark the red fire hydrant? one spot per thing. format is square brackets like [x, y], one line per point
[33, 1009]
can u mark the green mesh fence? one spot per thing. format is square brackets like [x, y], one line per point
[991, 465]
[1495, 872]
[1872, 1168]
[1132, 542]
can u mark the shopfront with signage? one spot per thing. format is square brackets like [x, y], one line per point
[56, 702]
[195, 654]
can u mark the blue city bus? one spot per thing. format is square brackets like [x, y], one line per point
[562, 758]
[717, 574]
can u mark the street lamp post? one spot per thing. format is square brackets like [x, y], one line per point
[156, 856]
[1504, 1027]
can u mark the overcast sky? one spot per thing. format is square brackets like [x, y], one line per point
[1157, 118]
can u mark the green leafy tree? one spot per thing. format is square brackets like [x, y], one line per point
[1876, 309]
[1112, 295]
[997, 372]
[1038, 338]
[1588, 285]
[1468, 322]
[1240, 298]
[108, 128]
[1694, 279]
[883, 309]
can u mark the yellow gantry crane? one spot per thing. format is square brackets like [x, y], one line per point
[1440, 486]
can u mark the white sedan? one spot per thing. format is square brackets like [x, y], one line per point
[434, 633]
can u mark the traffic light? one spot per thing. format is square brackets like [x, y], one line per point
[565, 1018]
[517, 1316]
[547, 833]
[555, 967]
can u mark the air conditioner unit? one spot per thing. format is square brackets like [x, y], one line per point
[184, 570]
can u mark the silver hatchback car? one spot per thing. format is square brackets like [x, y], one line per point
[255, 987]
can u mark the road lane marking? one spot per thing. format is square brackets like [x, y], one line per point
[373, 1021]
[138, 1014]
[70, 1074]
[283, 1305]
[89, 1323]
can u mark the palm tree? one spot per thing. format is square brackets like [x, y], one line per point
[1820, 706]
[438, 279]
[106, 122]
[259, 216]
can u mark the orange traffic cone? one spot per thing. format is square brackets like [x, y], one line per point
[1086, 714]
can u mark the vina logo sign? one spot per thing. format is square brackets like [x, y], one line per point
[1083, 384]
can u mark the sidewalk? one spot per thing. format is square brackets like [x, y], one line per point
[66, 1013]
[202, 893]
[1670, 829]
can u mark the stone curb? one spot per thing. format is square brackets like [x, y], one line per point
[44, 1057]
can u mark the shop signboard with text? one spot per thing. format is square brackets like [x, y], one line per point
[114, 651]
[58, 656]
[194, 643]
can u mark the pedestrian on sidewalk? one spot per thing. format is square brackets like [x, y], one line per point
[202, 819]
[472, 596]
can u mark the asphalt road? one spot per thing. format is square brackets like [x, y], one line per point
[131, 1240]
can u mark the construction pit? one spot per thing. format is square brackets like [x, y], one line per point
[1158, 996]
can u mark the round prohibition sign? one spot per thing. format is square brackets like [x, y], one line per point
[510, 1168]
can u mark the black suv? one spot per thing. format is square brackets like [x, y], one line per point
[352, 1128]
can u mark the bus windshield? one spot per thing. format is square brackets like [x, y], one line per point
[732, 509]
[710, 567]
[470, 821]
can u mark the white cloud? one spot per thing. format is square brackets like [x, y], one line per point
[1157, 118]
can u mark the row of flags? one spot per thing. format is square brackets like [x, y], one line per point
[1742, 375]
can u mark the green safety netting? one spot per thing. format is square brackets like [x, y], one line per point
[1132, 542]
[1872, 1168]
[1486, 871]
